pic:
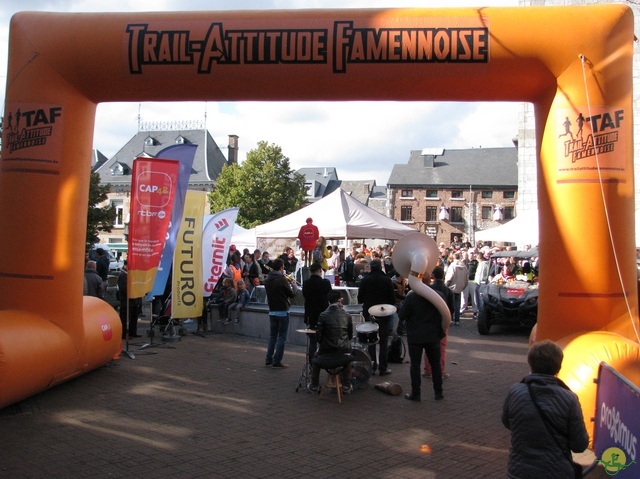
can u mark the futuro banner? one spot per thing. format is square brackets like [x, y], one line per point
[574, 64]
[187, 300]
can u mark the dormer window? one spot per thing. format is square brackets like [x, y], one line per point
[181, 140]
[143, 154]
[149, 141]
[117, 170]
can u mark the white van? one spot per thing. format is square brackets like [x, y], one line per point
[114, 264]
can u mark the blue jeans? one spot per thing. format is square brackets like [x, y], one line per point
[279, 325]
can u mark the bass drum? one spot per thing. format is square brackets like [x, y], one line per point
[361, 368]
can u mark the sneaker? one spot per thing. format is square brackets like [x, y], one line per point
[236, 321]
[426, 375]
[446, 376]
[313, 389]
[279, 365]
[385, 372]
[347, 389]
[268, 364]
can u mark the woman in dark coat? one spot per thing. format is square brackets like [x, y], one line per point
[534, 452]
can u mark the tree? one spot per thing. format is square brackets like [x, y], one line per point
[98, 218]
[264, 187]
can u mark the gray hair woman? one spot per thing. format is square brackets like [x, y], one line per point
[545, 419]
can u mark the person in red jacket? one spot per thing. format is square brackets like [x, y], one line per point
[308, 236]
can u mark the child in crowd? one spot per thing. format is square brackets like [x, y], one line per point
[228, 298]
[241, 301]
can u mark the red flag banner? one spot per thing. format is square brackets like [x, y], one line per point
[153, 189]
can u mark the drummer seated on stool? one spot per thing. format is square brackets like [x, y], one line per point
[334, 333]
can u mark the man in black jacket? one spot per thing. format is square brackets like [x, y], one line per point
[315, 291]
[377, 288]
[424, 332]
[279, 293]
[335, 330]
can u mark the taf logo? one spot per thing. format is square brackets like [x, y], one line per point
[107, 332]
[154, 189]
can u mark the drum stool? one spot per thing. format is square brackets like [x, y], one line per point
[333, 364]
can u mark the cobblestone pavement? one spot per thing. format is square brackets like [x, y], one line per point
[206, 407]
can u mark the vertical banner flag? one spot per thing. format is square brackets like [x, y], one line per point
[153, 188]
[186, 295]
[184, 154]
[216, 239]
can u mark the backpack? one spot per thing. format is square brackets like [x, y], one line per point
[397, 350]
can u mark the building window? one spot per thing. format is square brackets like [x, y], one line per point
[405, 213]
[486, 212]
[119, 207]
[117, 170]
[456, 194]
[432, 213]
[509, 194]
[149, 141]
[487, 194]
[406, 193]
[509, 212]
[309, 188]
[456, 214]
[432, 194]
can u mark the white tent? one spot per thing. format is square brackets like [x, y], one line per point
[337, 216]
[522, 230]
[244, 238]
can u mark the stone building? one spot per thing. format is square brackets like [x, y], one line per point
[447, 193]
[148, 142]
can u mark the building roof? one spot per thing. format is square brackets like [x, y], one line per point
[476, 167]
[206, 168]
[361, 190]
[322, 181]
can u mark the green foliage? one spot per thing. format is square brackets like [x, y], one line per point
[264, 187]
[98, 219]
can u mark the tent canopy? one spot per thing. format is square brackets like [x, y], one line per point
[244, 238]
[523, 229]
[337, 216]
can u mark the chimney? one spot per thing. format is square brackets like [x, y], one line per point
[233, 150]
[429, 156]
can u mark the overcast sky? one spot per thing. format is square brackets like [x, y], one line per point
[349, 136]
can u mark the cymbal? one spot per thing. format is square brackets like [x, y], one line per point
[306, 331]
[382, 310]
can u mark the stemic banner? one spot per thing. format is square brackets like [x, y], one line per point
[216, 239]
[153, 188]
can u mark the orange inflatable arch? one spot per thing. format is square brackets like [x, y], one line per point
[572, 63]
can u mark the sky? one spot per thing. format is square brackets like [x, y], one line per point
[345, 135]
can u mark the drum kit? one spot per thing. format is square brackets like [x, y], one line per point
[366, 335]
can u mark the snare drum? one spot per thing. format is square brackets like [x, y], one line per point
[367, 333]
[361, 369]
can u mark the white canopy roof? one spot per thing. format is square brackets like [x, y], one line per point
[337, 216]
[522, 230]
[244, 238]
